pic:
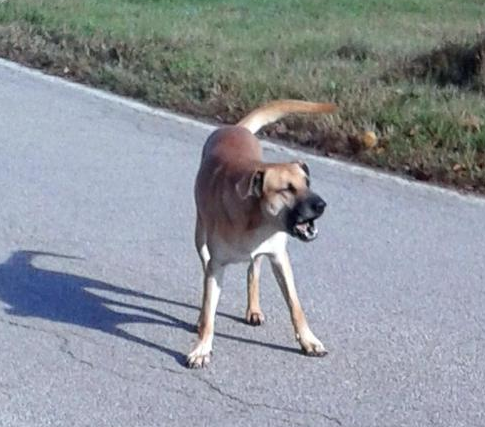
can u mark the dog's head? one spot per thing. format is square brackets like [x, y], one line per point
[286, 200]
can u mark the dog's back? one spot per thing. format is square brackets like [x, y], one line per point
[232, 145]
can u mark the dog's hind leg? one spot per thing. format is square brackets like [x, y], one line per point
[254, 315]
[203, 251]
[201, 243]
[200, 355]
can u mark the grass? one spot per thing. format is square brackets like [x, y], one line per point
[410, 71]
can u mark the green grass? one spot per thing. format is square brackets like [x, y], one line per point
[222, 58]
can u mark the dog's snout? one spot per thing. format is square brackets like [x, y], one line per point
[318, 205]
[309, 208]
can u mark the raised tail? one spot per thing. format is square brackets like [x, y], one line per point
[275, 110]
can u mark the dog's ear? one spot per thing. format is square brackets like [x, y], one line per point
[257, 181]
[251, 186]
[305, 167]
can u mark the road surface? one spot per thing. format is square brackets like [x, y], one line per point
[100, 284]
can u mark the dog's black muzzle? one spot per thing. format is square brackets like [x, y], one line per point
[301, 219]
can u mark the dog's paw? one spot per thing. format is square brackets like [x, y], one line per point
[313, 347]
[254, 318]
[200, 357]
[197, 362]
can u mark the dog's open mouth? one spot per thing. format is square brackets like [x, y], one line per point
[306, 231]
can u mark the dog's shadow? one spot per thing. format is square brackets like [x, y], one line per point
[60, 297]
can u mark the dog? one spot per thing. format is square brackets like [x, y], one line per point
[245, 210]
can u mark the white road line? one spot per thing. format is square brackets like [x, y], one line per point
[339, 164]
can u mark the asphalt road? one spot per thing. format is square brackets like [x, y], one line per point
[100, 285]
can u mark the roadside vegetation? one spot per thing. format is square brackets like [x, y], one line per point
[412, 72]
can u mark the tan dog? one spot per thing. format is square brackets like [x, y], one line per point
[246, 209]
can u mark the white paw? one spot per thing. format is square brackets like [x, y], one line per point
[199, 357]
[312, 346]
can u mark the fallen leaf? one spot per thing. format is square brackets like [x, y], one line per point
[370, 139]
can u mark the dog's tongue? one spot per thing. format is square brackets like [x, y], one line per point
[307, 229]
[303, 227]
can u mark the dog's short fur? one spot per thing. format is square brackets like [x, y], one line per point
[245, 209]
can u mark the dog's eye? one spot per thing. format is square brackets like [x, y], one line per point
[288, 189]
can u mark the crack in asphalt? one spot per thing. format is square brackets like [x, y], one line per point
[265, 405]
[46, 331]
[64, 348]
[243, 402]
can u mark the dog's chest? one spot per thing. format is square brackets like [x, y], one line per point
[245, 249]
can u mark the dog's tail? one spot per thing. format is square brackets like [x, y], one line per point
[275, 110]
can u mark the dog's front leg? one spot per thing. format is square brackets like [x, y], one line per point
[254, 315]
[310, 344]
[200, 355]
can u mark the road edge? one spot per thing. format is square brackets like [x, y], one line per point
[358, 170]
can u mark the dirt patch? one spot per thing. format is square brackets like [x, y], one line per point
[453, 63]
[324, 140]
